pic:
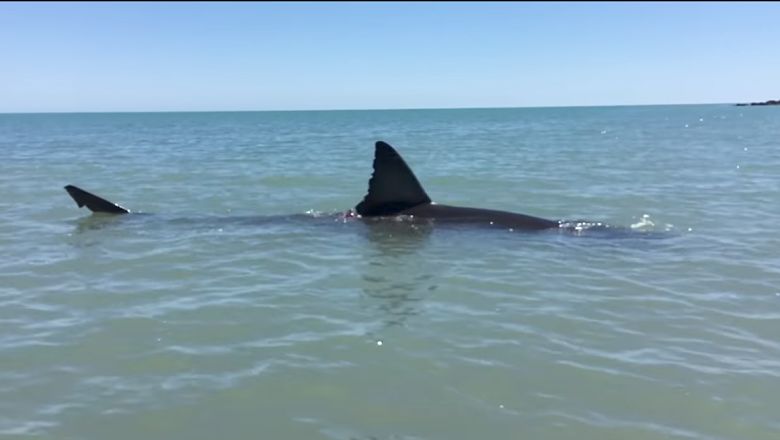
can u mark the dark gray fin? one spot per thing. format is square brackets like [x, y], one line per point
[93, 202]
[393, 186]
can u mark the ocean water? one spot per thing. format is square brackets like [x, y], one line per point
[244, 307]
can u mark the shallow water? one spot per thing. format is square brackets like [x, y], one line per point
[245, 307]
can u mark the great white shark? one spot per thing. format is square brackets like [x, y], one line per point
[393, 191]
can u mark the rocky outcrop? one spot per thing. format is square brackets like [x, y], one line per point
[770, 102]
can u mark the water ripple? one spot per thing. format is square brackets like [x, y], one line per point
[225, 313]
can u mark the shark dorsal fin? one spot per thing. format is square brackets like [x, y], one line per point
[393, 186]
[93, 202]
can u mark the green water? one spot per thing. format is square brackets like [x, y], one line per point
[244, 308]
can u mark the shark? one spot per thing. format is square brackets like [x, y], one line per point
[393, 191]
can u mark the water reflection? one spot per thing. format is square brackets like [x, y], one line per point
[397, 274]
[96, 222]
[398, 236]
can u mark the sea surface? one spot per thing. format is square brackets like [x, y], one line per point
[244, 307]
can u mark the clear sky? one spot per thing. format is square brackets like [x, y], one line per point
[282, 56]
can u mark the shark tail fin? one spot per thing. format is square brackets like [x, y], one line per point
[93, 202]
[393, 186]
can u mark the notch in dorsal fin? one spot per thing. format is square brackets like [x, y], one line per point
[393, 186]
[93, 202]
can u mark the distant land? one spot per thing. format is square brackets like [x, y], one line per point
[770, 102]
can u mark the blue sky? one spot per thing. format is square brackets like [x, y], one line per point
[67, 57]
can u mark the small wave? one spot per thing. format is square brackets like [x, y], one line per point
[645, 223]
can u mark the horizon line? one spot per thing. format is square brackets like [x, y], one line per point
[354, 109]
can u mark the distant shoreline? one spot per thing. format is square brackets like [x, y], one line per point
[770, 102]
